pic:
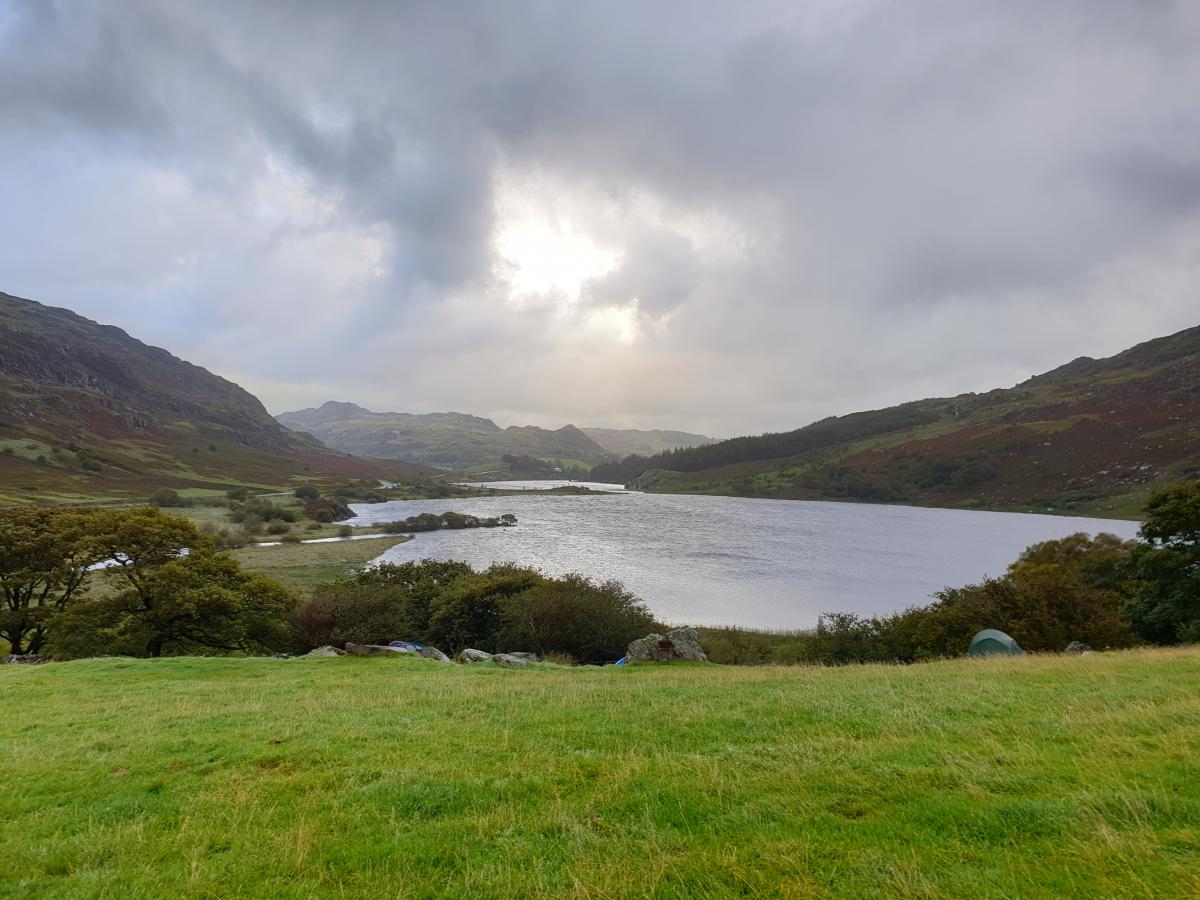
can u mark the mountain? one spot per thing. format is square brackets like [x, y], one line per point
[624, 441]
[1092, 436]
[454, 440]
[85, 409]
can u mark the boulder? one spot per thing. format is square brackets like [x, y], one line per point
[326, 651]
[1077, 647]
[643, 649]
[679, 643]
[377, 650]
[687, 644]
[507, 659]
[522, 654]
[433, 653]
[472, 656]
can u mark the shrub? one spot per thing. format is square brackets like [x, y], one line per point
[306, 492]
[345, 531]
[452, 606]
[590, 621]
[278, 528]
[166, 497]
[377, 605]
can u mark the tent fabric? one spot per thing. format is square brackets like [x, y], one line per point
[991, 642]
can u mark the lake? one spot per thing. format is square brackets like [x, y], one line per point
[739, 561]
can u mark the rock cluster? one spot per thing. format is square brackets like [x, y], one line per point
[28, 659]
[679, 643]
[405, 648]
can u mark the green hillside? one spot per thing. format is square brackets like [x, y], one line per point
[1093, 436]
[88, 411]
[624, 441]
[366, 777]
[452, 440]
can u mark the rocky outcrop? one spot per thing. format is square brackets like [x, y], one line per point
[1077, 647]
[511, 660]
[470, 655]
[325, 651]
[679, 643]
[399, 648]
[377, 650]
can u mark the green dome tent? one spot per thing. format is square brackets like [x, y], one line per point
[991, 642]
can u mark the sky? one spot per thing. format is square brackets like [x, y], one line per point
[723, 217]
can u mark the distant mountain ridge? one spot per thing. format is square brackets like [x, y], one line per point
[1093, 435]
[85, 407]
[452, 439]
[456, 439]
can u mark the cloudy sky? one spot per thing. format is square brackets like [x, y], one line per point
[726, 217]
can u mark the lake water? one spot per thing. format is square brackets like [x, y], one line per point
[738, 561]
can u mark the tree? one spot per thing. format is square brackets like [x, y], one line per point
[44, 559]
[1165, 606]
[201, 601]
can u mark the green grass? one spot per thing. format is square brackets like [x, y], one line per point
[303, 566]
[352, 777]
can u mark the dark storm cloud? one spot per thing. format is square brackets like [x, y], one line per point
[772, 211]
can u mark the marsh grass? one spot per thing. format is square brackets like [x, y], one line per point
[303, 566]
[1041, 776]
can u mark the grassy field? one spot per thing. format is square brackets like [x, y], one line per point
[357, 777]
[301, 566]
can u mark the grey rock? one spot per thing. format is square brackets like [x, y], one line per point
[377, 650]
[26, 659]
[472, 656]
[1077, 647]
[687, 644]
[522, 654]
[507, 659]
[326, 651]
[433, 653]
[679, 643]
[644, 649]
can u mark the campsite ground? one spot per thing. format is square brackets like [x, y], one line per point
[1037, 776]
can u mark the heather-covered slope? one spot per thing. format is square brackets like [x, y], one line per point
[1091, 436]
[85, 409]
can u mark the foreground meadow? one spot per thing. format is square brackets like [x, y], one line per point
[359, 777]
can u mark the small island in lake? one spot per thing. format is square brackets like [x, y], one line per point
[447, 520]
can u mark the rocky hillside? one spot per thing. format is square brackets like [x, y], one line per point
[86, 409]
[1092, 436]
[451, 439]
